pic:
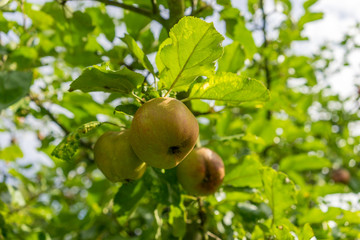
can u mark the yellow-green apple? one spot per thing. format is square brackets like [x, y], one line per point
[202, 172]
[116, 159]
[163, 132]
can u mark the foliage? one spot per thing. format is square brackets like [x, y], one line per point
[280, 141]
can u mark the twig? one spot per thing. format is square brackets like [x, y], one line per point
[137, 97]
[23, 14]
[210, 234]
[154, 7]
[144, 12]
[266, 60]
[48, 113]
[202, 216]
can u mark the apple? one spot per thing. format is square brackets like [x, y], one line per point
[341, 176]
[116, 159]
[202, 172]
[163, 132]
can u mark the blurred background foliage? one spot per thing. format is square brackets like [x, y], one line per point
[283, 158]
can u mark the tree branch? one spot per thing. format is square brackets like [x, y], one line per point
[266, 60]
[48, 113]
[142, 11]
[177, 8]
[154, 7]
[202, 217]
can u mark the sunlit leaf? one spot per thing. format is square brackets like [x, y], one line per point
[280, 192]
[245, 174]
[195, 45]
[231, 88]
[11, 153]
[303, 162]
[138, 53]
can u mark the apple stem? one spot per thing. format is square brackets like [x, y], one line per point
[138, 98]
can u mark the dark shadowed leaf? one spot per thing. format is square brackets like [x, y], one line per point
[13, 86]
[97, 78]
[128, 196]
[129, 109]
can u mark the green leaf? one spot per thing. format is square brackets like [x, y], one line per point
[103, 21]
[307, 233]
[245, 38]
[315, 215]
[11, 153]
[129, 109]
[280, 192]
[307, 4]
[195, 45]
[303, 162]
[138, 53]
[69, 145]
[177, 221]
[233, 58]
[309, 17]
[13, 86]
[246, 174]
[160, 65]
[25, 58]
[128, 196]
[39, 18]
[97, 78]
[230, 87]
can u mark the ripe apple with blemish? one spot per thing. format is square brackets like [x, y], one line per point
[202, 172]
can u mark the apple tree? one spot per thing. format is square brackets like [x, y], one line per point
[172, 119]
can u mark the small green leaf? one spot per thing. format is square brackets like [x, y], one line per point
[69, 145]
[103, 21]
[230, 87]
[128, 196]
[245, 38]
[246, 174]
[309, 17]
[97, 78]
[177, 221]
[11, 153]
[233, 58]
[138, 53]
[280, 192]
[195, 45]
[129, 109]
[303, 162]
[13, 86]
[307, 233]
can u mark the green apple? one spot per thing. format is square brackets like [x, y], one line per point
[116, 159]
[163, 132]
[202, 172]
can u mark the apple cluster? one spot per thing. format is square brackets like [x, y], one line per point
[163, 135]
